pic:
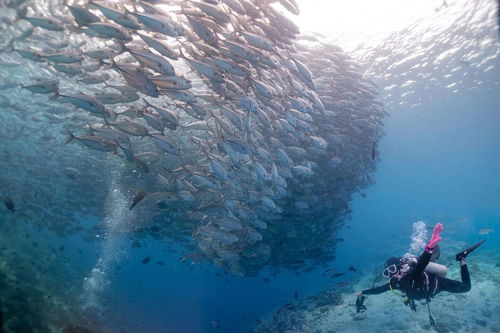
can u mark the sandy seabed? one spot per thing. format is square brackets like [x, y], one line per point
[475, 311]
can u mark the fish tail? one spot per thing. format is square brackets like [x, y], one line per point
[147, 103]
[138, 112]
[106, 84]
[106, 66]
[90, 128]
[214, 130]
[114, 115]
[9, 47]
[218, 131]
[70, 137]
[111, 64]
[21, 14]
[181, 53]
[195, 234]
[71, 27]
[123, 47]
[106, 120]
[55, 95]
[183, 167]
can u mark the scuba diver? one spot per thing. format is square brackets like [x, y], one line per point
[420, 279]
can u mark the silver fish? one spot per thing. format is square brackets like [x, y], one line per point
[136, 79]
[155, 62]
[111, 30]
[165, 144]
[92, 142]
[43, 87]
[161, 47]
[86, 102]
[46, 23]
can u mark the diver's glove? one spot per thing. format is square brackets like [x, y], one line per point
[359, 304]
[436, 238]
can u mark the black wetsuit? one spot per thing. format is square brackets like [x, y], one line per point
[421, 285]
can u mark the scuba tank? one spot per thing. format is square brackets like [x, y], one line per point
[436, 269]
[433, 268]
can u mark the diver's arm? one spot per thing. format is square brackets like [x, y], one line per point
[424, 259]
[376, 290]
[422, 262]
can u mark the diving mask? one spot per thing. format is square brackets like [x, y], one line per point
[390, 271]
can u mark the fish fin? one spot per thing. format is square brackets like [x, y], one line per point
[106, 121]
[72, 28]
[10, 46]
[105, 66]
[123, 47]
[114, 115]
[147, 103]
[21, 14]
[54, 96]
[91, 130]
[70, 137]
[112, 64]
[182, 55]
[212, 130]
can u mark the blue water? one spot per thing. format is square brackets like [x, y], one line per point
[440, 162]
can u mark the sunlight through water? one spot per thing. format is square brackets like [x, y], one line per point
[352, 24]
[413, 48]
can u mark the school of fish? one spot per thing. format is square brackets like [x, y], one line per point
[238, 137]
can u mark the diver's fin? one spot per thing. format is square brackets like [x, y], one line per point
[464, 253]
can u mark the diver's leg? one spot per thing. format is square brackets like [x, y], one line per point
[464, 272]
[454, 286]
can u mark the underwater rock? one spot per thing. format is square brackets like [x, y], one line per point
[323, 309]
[481, 322]
[441, 327]
[327, 298]
[76, 329]
[465, 312]
[16, 324]
[9, 203]
[396, 325]
[486, 312]
[294, 316]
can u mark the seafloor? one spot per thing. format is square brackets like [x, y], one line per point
[333, 311]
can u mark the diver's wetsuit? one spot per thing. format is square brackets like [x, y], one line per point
[416, 286]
